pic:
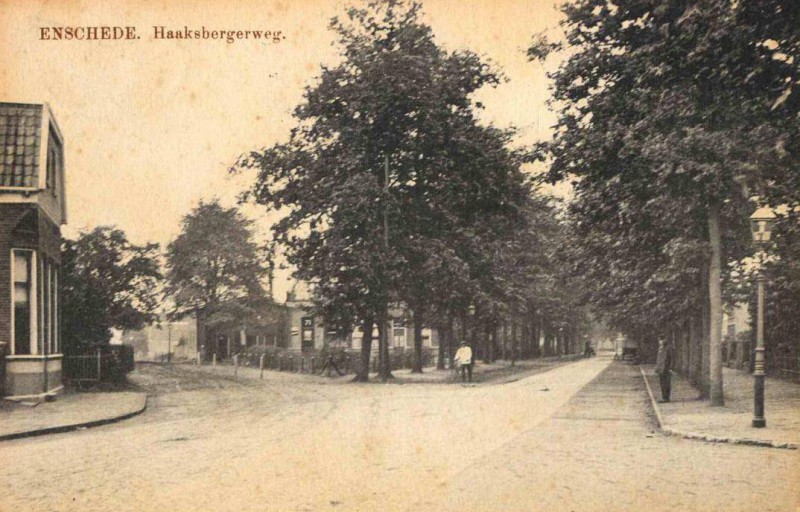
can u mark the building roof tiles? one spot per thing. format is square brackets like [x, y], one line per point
[20, 130]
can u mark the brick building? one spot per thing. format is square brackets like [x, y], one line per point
[308, 332]
[32, 210]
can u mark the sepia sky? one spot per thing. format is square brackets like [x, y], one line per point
[151, 126]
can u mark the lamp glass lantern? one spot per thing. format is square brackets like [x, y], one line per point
[761, 224]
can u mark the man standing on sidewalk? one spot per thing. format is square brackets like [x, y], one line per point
[464, 360]
[664, 368]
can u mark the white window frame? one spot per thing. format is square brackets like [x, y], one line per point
[33, 300]
[405, 334]
[49, 290]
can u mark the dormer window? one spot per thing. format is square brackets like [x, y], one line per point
[54, 161]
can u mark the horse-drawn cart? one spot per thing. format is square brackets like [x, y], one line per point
[626, 349]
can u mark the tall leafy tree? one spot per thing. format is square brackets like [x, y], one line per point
[468, 200]
[107, 283]
[387, 162]
[215, 269]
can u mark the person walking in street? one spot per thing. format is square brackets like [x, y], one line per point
[464, 361]
[664, 368]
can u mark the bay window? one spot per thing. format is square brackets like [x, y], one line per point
[24, 314]
[34, 323]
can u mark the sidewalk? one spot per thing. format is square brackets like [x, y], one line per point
[499, 372]
[688, 416]
[68, 412]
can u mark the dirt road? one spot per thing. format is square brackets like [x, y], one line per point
[225, 445]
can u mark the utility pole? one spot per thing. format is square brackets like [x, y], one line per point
[383, 342]
[386, 203]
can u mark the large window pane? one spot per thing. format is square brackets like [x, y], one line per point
[40, 307]
[56, 331]
[22, 266]
[45, 311]
[22, 301]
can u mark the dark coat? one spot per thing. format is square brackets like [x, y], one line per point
[664, 359]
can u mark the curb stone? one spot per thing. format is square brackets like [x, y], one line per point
[76, 426]
[666, 429]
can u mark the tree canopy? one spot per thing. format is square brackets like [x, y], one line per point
[388, 181]
[215, 270]
[107, 282]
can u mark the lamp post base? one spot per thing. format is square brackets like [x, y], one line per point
[759, 418]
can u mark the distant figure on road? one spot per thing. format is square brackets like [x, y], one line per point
[464, 361]
[664, 368]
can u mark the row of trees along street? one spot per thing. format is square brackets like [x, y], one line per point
[675, 121]
[671, 117]
[395, 194]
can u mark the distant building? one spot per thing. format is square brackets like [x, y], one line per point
[736, 320]
[175, 341]
[32, 211]
[308, 331]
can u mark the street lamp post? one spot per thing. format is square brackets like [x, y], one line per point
[761, 226]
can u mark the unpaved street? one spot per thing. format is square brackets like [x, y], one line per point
[546, 442]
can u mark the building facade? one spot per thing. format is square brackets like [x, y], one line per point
[308, 331]
[32, 211]
[164, 341]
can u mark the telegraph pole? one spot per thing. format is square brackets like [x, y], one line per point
[383, 343]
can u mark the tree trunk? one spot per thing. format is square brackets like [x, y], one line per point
[682, 340]
[442, 344]
[697, 348]
[546, 346]
[715, 307]
[385, 368]
[419, 317]
[703, 332]
[686, 368]
[489, 337]
[366, 350]
[445, 342]
[527, 338]
[450, 338]
[384, 363]
[202, 342]
[502, 335]
[493, 346]
[514, 340]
